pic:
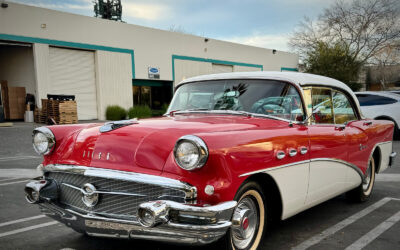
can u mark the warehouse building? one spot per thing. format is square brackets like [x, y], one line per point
[105, 62]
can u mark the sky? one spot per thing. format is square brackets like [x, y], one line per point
[261, 23]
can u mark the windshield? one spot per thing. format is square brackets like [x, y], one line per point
[266, 97]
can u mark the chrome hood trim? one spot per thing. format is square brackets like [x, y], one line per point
[109, 126]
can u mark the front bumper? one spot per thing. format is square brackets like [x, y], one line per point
[161, 220]
[115, 228]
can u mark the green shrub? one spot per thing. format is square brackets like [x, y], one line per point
[164, 108]
[115, 113]
[160, 112]
[139, 111]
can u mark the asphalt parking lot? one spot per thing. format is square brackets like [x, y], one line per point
[335, 224]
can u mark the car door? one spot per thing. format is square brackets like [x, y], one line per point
[357, 137]
[328, 147]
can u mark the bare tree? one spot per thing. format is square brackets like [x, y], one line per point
[386, 60]
[365, 27]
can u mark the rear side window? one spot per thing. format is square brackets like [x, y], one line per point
[371, 100]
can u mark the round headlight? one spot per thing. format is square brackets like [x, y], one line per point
[190, 152]
[43, 140]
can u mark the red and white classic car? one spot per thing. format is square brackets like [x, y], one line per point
[233, 151]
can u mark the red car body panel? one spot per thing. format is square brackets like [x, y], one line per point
[237, 145]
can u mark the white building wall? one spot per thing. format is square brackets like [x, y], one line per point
[16, 66]
[152, 47]
[113, 80]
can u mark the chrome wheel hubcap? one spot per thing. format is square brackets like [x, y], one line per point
[245, 222]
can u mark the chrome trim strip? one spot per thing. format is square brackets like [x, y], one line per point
[358, 170]
[275, 168]
[191, 191]
[265, 170]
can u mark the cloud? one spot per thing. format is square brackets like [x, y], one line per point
[278, 42]
[64, 6]
[146, 11]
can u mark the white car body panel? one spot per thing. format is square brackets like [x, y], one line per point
[387, 110]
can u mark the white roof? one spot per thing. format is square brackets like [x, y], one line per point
[293, 77]
[299, 79]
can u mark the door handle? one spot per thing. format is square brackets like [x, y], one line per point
[340, 127]
[368, 123]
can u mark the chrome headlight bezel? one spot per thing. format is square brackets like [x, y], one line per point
[51, 140]
[202, 151]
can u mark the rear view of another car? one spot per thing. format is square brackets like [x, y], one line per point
[381, 106]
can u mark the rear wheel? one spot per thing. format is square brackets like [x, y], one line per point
[249, 218]
[363, 192]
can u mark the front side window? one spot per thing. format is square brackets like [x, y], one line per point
[342, 108]
[266, 97]
[322, 106]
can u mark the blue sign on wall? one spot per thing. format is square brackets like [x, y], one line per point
[154, 73]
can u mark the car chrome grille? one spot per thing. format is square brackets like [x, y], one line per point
[113, 205]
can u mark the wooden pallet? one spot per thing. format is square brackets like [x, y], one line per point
[68, 112]
[63, 112]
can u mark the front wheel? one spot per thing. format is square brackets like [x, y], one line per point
[363, 192]
[249, 218]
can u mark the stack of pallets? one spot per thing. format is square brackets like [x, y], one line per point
[62, 112]
[68, 112]
[53, 110]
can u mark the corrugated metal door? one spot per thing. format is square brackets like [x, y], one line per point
[221, 68]
[72, 72]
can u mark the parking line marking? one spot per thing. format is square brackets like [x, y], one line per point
[21, 220]
[10, 179]
[21, 230]
[374, 233]
[19, 172]
[13, 158]
[332, 230]
[14, 182]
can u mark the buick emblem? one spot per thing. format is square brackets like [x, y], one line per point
[89, 195]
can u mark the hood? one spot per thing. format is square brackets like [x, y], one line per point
[145, 146]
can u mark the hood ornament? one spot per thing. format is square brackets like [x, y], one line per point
[109, 126]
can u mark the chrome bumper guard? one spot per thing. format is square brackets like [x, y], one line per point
[392, 157]
[161, 220]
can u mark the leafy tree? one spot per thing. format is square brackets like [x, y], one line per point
[363, 27]
[333, 61]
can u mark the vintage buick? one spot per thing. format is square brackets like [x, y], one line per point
[233, 151]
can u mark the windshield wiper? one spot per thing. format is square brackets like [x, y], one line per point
[171, 113]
